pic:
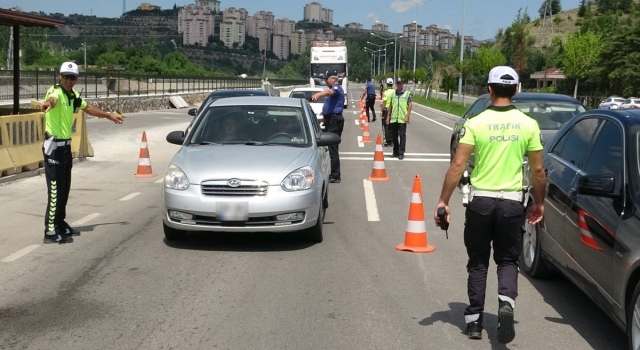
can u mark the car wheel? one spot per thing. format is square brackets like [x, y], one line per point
[531, 258]
[633, 319]
[172, 234]
[314, 234]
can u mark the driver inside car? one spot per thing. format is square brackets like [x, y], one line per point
[290, 126]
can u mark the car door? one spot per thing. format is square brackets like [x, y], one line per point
[478, 106]
[562, 164]
[323, 151]
[591, 220]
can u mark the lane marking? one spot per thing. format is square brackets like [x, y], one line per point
[370, 201]
[406, 154]
[159, 181]
[398, 160]
[129, 196]
[357, 122]
[361, 144]
[20, 253]
[433, 121]
[85, 219]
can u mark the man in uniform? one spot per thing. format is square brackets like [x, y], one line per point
[61, 102]
[370, 95]
[333, 119]
[399, 112]
[500, 137]
[386, 101]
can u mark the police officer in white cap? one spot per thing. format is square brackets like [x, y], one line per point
[500, 137]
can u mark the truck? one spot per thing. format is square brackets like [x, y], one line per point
[329, 56]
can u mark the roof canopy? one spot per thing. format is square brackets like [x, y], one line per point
[14, 18]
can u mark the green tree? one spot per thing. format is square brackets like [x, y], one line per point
[581, 55]
[112, 58]
[30, 54]
[583, 8]
[487, 58]
[551, 6]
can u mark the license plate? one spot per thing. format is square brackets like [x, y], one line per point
[232, 211]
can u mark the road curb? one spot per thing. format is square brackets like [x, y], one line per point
[439, 112]
[31, 173]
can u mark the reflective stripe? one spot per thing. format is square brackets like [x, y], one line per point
[379, 148]
[416, 198]
[471, 318]
[144, 161]
[143, 145]
[416, 226]
[378, 165]
[511, 301]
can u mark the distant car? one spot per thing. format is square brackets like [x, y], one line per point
[551, 111]
[590, 230]
[630, 103]
[226, 93]
[612, 102]
[249, 164]
[305, 94]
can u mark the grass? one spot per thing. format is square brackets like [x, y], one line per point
[441, 105]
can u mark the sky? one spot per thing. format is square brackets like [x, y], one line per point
[482, 19]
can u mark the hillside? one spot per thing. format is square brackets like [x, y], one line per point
[560, 25]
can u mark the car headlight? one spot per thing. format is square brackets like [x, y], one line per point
[298, 180]
[176, 179]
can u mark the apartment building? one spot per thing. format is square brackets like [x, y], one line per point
[314, 12]
[145, 6]
[232, 31]
[254, 27]
[298, 42]
[320, 35]
[196, 23]
[284, 26]
[409, 32]
[380, 27]
[281, 46]
[354, 25]
[212, 5]
[265, 39]
[240, 14]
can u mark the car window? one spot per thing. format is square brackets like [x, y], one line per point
[618, 100]
[250, 124]
[550, 115]
[574, 145]
[314, 120]
[306, 95]
[476, 108]
[636, 101]
[607, 155]
[607, 100]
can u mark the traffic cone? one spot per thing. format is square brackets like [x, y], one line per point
[365, 134]
[379, 173]
[144, 163]
[415, 239]
[586, 237]
[363, 119]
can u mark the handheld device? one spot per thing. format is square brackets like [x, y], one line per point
[444, 224]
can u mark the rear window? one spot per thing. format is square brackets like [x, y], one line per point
[550, 115]
[618, 100]
[627, 101]
[306, 95]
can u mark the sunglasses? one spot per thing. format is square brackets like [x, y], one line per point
[70, 77]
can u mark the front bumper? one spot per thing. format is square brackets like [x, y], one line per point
[262, 210]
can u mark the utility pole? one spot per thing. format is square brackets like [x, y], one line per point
[84, 44]
[464, 2]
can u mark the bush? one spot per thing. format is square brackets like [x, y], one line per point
[569, 17]
[579, 22]
[557, 19]
[536, 22]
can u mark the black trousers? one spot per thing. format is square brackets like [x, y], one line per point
[57, 171]
[399, 137]
[370, 105]
[501, 222]
[386, 132]
[334, 123]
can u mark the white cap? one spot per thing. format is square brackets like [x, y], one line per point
[390, 81]
[496, 74]
[69, 68]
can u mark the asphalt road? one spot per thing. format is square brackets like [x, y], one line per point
[122, 286]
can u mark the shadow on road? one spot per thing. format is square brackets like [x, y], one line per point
[241, 242]
[90, 228]
[455, 316]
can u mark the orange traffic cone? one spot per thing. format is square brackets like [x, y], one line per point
[144, 164]
[363, 119]
[366, 138]
[415, 239]
[379, 173]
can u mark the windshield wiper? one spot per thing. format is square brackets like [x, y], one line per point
[208, 143]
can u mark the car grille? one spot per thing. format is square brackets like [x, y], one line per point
[255, 221]
[247, 188]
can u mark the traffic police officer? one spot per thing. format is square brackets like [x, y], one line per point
[370, 94]
[500, 137]
[61, 102]
[333, 119]
[399, 111]
[386, 101]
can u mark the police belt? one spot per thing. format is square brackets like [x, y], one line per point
[502, 195]
[63, 143]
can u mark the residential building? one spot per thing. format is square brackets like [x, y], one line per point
[212, 5]
[259, 19]
[196, 23]
[320, 35]
[232, 31]
[284, 26]
[239, 14]
[326, 15]
[145, 6]
[314, 12]
[409, 32]
[281, 46]
[298, 42]
[264, 37]
[380, 27]
[354, 25]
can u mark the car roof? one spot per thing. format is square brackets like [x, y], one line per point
[238, 92]
[535, 96]
[627, 117]
[310, 89]
[257, 101]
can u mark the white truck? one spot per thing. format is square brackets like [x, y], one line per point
[329, 56]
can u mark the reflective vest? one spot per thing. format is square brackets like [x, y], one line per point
[400, 105]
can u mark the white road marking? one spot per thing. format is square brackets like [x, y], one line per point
[431, 120]
[129, 196]
[85, 219]
[398, 160]
[360, 143]
[159, 181]
[370, 201]
[355, 112]
[406, 154]
[357, 122]
[20, 253]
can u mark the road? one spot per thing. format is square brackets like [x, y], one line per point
[122, 286]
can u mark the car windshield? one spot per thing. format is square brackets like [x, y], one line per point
[618, 100]
[252, 125]
[306, 95]
[550, 115]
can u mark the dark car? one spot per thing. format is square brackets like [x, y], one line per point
[551, 111]
[591, 228]
[226, 93]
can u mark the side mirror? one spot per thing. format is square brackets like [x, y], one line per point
[192, 111]
[176, 137]
[328, 139]
[597, 185]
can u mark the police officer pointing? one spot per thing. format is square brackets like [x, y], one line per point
[61, 102]
[333, 119]
[500, 137]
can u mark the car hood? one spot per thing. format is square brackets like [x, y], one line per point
[265, 163]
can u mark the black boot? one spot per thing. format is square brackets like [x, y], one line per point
[506, 331]
[474, 330]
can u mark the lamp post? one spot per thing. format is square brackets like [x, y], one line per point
[415, 46]
[464, 2]
[385, 52]
[84, 45]
[380, 48]
[395, 52]
[374, 61]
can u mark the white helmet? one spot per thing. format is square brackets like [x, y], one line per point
[390, 81]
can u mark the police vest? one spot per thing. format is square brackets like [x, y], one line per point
[59, 119]
[400, 104]
[501, 136]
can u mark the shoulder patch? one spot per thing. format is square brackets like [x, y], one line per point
[462, 131]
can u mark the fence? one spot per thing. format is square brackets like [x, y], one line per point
[34, 84]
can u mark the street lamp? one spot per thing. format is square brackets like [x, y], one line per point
[395, 52]
[385, 52]
[415, 47]
[380, 49]
[374, 61]
[464, 2]
[84, 45]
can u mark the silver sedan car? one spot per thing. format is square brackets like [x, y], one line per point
[249, 164]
